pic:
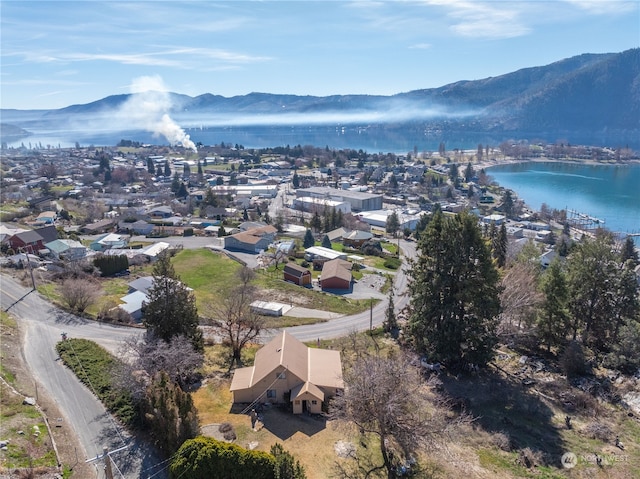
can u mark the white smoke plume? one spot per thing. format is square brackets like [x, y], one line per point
[148, 108]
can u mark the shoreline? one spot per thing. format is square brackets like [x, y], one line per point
[487, 165]
[511, 161]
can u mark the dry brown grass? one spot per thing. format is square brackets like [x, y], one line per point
[310, 440]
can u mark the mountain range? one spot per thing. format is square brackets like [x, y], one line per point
[587, 95]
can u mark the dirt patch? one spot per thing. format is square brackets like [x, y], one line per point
[285, 297]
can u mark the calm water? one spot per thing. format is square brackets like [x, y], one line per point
[611, 193]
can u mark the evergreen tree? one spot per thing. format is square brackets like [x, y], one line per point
[316, 222]
[629, 252]
[390, 322]
[200, 172]
[245, 215]
[454, 293]
[393, 224]
[326, 242]
[553, 317]
[295, 180]
[287, 466]
[186, 170]
[151, 167]
[499, 243]
[468, 172]
[182, 191]
[309, 240]
[171, 308]
[175, 183]
[167, 169]
[603, 292]
[507, 204]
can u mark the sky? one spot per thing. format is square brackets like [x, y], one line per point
[54, 53]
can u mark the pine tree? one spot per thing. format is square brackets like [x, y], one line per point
[316, 222]
[295, 180]
[391, 322]
[151, 167]
[309, 240]
[326, 242]
[454, 293]
[553, 317]
[167, 169]
[500, 242]
[171, 307]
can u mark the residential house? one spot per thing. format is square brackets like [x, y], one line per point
[46, 218]
[140, 227]
[66, 249]
[26, 241]
[48, 233]
[108, 241]
[297, 274]
[336, 274]
[356, 238]
[252, 241]
[547, 257]
[160, 212]
[287, 371]
[98, 227]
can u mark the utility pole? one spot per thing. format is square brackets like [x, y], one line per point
[106, 455]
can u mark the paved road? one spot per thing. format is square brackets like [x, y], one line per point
[83, 412]
[94, 427]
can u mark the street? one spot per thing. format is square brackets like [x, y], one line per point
[94, 426]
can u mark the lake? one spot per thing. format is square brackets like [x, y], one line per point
[607, 192]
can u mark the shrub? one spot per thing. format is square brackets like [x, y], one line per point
[596, 430]
[392, 263]
[501, 440]
[572, 360]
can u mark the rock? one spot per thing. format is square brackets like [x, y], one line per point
[523, 359]
[28, 401]
[4, 443]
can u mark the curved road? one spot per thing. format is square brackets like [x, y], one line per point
[96, 428]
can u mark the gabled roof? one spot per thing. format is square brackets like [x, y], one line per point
[320, 367]
[336, 268]
[28, 237]
[296, 270]
[142, 284]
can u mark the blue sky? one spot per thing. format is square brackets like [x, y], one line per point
[54, 54]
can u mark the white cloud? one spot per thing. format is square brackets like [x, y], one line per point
[604, 7]
[482, 19]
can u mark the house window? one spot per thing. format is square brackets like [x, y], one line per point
[271, 393]
[297, 401]
[314, 402]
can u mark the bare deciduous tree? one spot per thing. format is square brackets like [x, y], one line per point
[234, 320]
[386, 399]
[178, 358]
[79, 294]
[519, 297]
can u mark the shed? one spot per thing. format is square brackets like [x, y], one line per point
[297, 274]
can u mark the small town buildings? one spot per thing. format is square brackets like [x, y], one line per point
[28, 241]
[98, 226]
[356, 238]
[286, 371]
[160, 212]
[252, 240]
[336, 275]
[297, 274]
[108, 241]
[358, 200]
[66, 249]
[46, 218]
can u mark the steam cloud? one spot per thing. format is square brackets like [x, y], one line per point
[148, 107]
